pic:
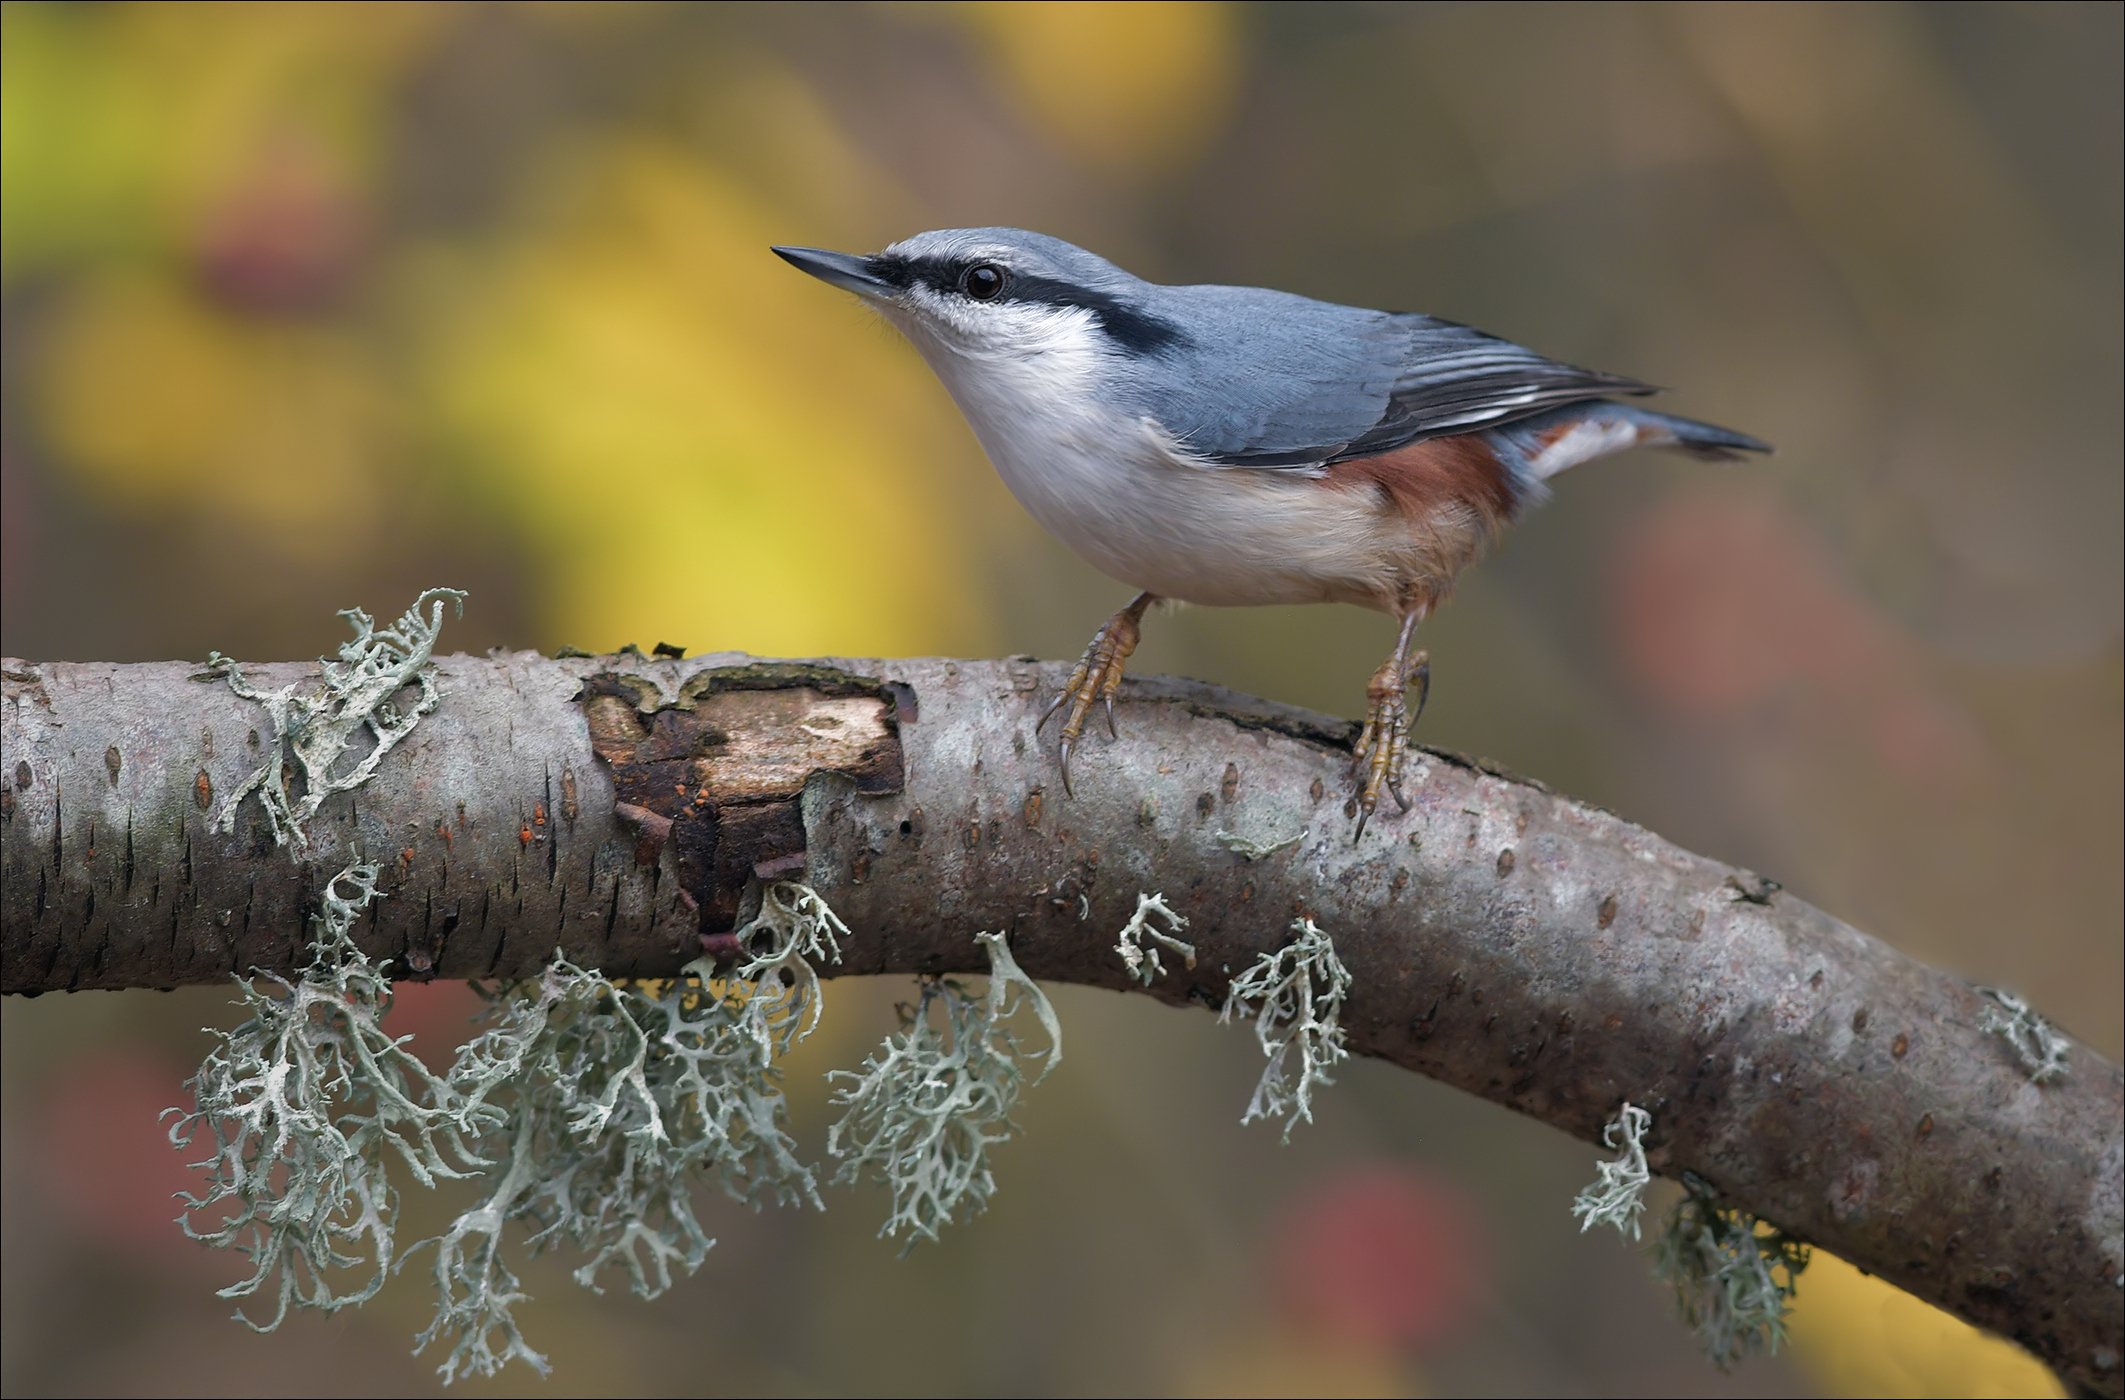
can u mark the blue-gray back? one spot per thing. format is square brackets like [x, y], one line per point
[1262, 378]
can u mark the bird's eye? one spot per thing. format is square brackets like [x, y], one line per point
[982, 281]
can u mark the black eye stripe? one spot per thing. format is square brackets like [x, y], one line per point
[1124, 324]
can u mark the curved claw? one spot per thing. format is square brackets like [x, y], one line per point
[1063, 763]
[1070, 689]
[1049, 713]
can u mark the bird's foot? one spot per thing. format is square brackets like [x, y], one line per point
[1095, 680]
[1377, 762]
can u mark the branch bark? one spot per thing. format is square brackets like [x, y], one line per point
[1536, 951]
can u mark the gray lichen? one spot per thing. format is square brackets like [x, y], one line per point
[318, 735]
[1141, 938]
[2040, 1048]
[591, 1107]
[618, 1099]
[307, 1102]
[1734, 1277]
[923, 1112]
[1296, 994]
[1617, 1196]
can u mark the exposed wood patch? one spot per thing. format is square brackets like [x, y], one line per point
[719, 775]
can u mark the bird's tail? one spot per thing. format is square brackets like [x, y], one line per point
[1564, 437]
[1706, 440]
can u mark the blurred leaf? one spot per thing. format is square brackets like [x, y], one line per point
[1273, 1360]
[120, 125]
[260, 431]
[707, 446]
[1131, 88]
[1863, 1337]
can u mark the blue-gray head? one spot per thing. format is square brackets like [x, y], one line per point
[989, 292]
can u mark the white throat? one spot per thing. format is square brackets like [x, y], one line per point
[1024, 375]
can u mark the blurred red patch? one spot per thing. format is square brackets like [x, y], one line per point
[1724, 603]
[287, 237]
[104, 1157]
[1720, 600]
[438, 1015]
[1383, 1257]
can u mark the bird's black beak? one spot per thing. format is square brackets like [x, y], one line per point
[850, 273]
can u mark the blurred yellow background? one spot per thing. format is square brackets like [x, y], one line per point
[313, 306]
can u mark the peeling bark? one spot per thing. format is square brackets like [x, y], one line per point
[1541, 953]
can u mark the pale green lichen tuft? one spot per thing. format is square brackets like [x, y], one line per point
[923, 1112]
[1617, 1196]
[619, 1097]
[2040, 1048]
[1296, 995]
[307, 1102]
[318, 736]
[590, 1107]
[1141, 938]
[1734, 1277]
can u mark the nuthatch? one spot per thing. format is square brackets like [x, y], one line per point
[1235, 445]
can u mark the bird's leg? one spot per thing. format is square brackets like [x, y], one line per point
[1378, 759]
[1097, 677]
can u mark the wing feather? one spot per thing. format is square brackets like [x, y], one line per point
[1301, 384]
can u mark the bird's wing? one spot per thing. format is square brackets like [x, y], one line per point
[1306, 388]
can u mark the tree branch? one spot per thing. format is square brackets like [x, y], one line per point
[1533, 950]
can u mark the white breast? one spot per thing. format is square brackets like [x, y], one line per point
[1110, 486]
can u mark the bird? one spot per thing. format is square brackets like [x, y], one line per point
[1242, 446]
